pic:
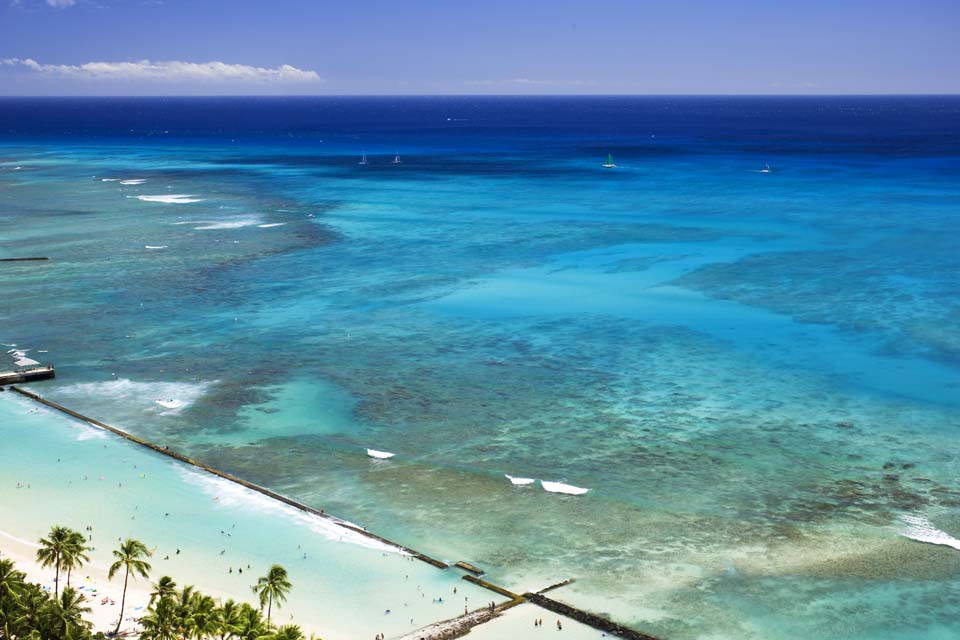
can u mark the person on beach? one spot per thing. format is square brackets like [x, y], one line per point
[559, 626]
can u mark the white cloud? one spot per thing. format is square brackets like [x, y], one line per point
[61, 4]
[169, 71]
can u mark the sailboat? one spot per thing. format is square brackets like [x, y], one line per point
[766, 168]
[396, 158]
[363, 158]
[609, 163]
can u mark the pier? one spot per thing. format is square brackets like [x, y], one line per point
[449, 629]
[28, 374]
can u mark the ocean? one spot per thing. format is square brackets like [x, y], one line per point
[744, 340]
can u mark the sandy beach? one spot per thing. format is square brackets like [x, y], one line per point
[103, 596]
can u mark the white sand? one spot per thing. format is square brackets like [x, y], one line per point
[90, 577]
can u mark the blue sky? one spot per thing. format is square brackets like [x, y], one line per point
[142, 47]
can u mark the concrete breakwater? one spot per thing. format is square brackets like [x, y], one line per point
[448, 629]
[165, 450]
[586, 618]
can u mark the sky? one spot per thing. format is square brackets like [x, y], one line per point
[286, 47]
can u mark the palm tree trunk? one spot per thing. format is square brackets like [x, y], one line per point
[69, 571]
[123, 601]
[269, 607]
[56, 578]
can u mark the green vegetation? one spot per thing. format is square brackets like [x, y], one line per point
[272, 587]
[27, 612]
[130, 557]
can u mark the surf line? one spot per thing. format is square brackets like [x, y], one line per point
[589, 619]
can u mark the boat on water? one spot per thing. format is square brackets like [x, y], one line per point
[380, 455]
[559, 487]
[396, 158]
[363, 158]
[519, 481]
[609, 163]
[766, 168]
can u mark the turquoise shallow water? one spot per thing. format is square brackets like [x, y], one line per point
[208, 532]
[755, 374]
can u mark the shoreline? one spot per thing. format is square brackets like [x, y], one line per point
[220, 531]
[138, 596]
[166, 451]
[90, 580]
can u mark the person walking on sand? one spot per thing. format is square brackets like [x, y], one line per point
[559, 626]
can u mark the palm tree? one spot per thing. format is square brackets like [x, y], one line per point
[74, 552]
[229, 619]
[288, 632]
[250, 625]
[129, 557]
[32, 602]
[50, 553]
[11, 586]
[65, 616]
[272, 587]
[205, 618]
[163, 587]
[10, 579]
[161, 622]
[185, 600]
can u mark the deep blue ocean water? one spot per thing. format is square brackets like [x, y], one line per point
[756, 374]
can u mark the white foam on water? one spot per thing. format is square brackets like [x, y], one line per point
[271, 225]
[89, 431]
[135, 181]
[28, 543]
[225, 493]
[559, 487]
[519, 481]
[109, 179]
[84, 430]
[380, 455]
[236, 223]
[229, 223]
[173, 198]
[921, 529]
[175, 396]
[150, 246]
[20, 358]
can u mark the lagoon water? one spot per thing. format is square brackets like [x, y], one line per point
[755, 374]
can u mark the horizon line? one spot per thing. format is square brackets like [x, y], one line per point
[489, 95]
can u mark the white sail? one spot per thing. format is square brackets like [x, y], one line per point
[559, 487]
[519, 481]
[381, 455]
